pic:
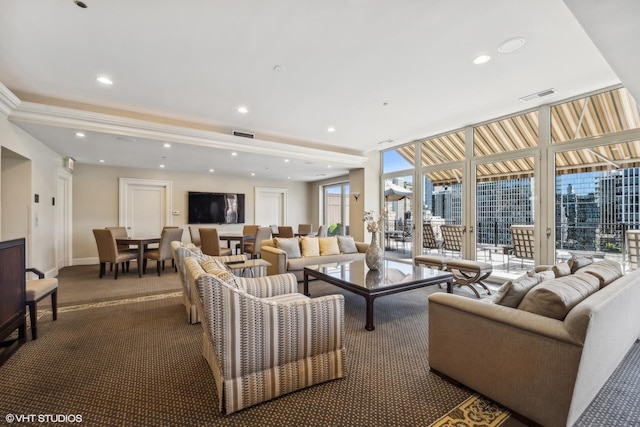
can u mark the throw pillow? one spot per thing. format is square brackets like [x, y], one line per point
[211, 263]
[562, 269]
[576, 262]
[542, 275]
[309, 246]
[347, 245]
[290, 245]
[555, 298]
[606, 271]
[512, 292]
[328, 245]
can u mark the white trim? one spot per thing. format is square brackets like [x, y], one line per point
[29, 112]
[68, 216]
[8, 101]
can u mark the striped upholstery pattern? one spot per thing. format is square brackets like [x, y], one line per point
[180, 252]
[303, 344]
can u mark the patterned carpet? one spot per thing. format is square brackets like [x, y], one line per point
[135, 361]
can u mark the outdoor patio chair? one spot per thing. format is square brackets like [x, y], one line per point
[523, 243]
[452, 238]
[633, 248]
[429, 238]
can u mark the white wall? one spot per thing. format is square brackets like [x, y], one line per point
[40, 237]
[95, 200]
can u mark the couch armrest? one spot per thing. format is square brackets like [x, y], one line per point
[269, 286]
[277, 257]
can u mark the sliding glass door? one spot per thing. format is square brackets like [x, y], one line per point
[336, 209]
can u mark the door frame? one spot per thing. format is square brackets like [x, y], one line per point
[66, 222]
[282, 192]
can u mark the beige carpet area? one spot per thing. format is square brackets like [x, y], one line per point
[121, 353]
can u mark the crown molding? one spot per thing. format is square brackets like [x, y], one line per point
[8, 101]
[29, 112]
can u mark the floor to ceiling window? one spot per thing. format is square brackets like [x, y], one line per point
[336, 208]
[570, 172]
[398, 202]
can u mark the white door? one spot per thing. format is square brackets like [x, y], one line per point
[145, 206]
[271, 204]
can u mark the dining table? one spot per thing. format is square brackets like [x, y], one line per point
[142, 243]
[237, 236]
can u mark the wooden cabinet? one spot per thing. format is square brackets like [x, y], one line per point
[12, 297]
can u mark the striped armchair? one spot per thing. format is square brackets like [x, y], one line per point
[180, 252]
[262, 338]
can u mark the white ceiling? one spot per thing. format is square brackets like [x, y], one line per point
[375, 70]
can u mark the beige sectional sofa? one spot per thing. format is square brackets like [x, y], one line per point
[547, 352]
[291, 255]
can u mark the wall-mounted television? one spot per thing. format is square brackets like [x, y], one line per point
[216, 208]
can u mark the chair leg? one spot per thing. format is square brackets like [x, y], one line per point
[103, 267]
[159, 264]
[34, 318]
[54, 304]
[115, 271]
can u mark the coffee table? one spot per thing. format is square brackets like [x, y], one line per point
[394, 277]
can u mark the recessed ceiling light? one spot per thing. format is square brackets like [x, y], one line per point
[288, 177]
[80, 134]
[511, 45]
[211, 170]
[161, 166]
[253, 174]
[167, 145]
[481, 59]
[104, 80]
[243, 110]
[328, 166]
[279, 68]
[100, 161]
[234, 154]
[331, 129]
[286, 160]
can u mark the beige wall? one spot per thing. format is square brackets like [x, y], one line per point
[95, 200]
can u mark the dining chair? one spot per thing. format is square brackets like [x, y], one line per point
[194, 232]
[285, 231]
[211, 243]
[304, 229]
[248, 234]
[108, 252]
[119, 233]
[275, 230]
[163, 251]
[323, 231]
[36, 291]
[253, 247]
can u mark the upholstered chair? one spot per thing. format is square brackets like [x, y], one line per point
[304, 229]
[248, 235]
[119, 233]
[262, 339]
[285, 231]
[163, 252]
[323, 231]
[108, 252]
[38, 290]
[210, 243]
[194, 232]
[253, 247]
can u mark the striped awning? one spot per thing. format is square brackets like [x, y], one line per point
[600, 114]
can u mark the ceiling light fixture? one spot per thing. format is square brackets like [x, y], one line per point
[243, 110]
[211, 170]
[167, 145]
[104, 80]
[161, 166]
[100, 161]
[286, 160]
[80, 135]
[234, 154]
[80, 4]
[331, 129]
[253, 174]
[481, 59]
[511, 45]
[279, 68]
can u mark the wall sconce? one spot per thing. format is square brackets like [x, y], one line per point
[356, 195]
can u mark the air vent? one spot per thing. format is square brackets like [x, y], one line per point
[538, 95]
[243, 134]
